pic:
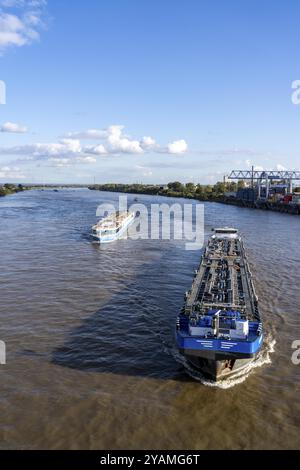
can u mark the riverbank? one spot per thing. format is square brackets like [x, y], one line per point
[7, 189]
[263, 205]
[208, 193]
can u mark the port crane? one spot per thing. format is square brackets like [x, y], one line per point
[266, 176]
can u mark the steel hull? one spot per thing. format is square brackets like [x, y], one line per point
[217, 370]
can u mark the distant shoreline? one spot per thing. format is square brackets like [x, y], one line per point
[8, 189]
[210, 196]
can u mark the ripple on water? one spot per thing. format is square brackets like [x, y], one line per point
[90, 334]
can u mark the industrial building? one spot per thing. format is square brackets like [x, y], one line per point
[270, 186]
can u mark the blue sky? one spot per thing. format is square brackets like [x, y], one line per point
[147, 91]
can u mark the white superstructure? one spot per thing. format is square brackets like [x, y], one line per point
[225, 232]
[111, 228]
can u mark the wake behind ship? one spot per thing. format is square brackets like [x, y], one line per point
[219, 330]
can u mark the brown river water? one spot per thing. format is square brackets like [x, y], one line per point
[89, 332]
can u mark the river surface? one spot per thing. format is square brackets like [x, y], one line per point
[89, 332]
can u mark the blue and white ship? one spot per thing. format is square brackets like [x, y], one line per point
[219, 330]
[112, 227]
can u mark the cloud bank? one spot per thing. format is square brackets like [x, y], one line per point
[11, 173]
[20, 22]
[115, 141]
[70, 149]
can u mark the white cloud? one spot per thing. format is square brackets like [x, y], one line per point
[65, 147]
[62, 162]
[86, 159]
[22, 3]
[121, 143]
[145, 171]
[64, 153]
[11, 173]
[249, 164]
[59, 162]
[280, 167]
[148, 143]
[21, 26]
[92, 134]
[12, 127]
[115, 142]
[95, 149]
[69, 150]
[178, 147]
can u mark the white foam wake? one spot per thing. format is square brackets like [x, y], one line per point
[263, 358]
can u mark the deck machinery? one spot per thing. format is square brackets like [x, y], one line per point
[219, 330]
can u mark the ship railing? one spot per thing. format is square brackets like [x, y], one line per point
[221, 306]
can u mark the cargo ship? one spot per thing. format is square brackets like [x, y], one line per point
[219, 330]
[112, 227]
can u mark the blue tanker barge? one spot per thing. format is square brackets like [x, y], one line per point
[219, 330]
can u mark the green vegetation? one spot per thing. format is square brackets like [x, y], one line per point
[214, 192]
[10, 189]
